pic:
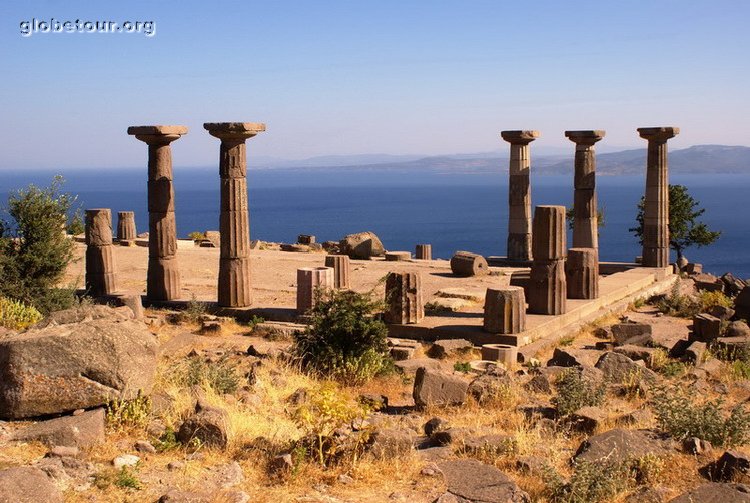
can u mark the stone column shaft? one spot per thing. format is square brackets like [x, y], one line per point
[163, 275]
[100, 266]
[547, 286]
[403, 297]
[234, 218]
[505, 310]
[309, 281]
[582, 273]
[340, 265]
[424, 252]
[519, 193]
[126, 226]
[585, 224]
[656, 211]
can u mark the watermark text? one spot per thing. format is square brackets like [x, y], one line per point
[28, 28]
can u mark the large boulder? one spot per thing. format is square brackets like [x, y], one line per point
[206, 427]
[80, 430]
[362, 245]
[24, 484]
[69, 364]
[620, 445]
[434, 387]
[472, 480]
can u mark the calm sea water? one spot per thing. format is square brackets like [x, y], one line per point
[451, 211]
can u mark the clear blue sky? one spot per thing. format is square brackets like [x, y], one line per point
[386, 76]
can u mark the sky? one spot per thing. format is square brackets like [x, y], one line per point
[366, 77]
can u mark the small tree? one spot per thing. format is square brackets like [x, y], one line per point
[344, 340]
[34, 250]
[684, 228]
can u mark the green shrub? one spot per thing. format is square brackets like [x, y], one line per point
[344, 341]
[168, 441]
[462, 367]
[221, 375]
[197, 236]
[575, 391]
[712, 299]
[677, 304]
[679, 414]
[16, 315]
[194, 311]
[129, 413]
[668, 367]
[34, 250]
[591, 482]
[76, 225]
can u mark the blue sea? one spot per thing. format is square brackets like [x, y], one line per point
[450, 211]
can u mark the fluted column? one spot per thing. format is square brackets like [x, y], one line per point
[126, 226]
[234, 219]
[547, 286]
[585, 222]
[582, 273]
[519, 193]
[656, 212]
[340, 265]
[403, 298]
[100, 267]
[163, 276]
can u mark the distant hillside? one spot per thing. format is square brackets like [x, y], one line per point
[699, 159]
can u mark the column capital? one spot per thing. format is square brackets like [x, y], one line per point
[658, 133]
[155, 135]
[519, 137]
[585, 137]
[234, 130]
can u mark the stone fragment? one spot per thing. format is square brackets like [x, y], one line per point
[490, 387]
[694, 352]
[362, 246]
[403, 298]
[472, 480]
[587, 419]
[24, 484]
[411, 366]
[424, 252]
[126, 226]
[708, 283]
[693, 268]
[125, 460]
[80, 431]
[696, 446]
[582, 273]
[742, 304]
[501, 353]
[566, 357]
[724, 313]
[706, 328]
[732, 466]
[620, 445]
[732, 284]
[400, 353]
[434, 425]
[60, 367]
[656, 211]
[145, 446]
[391, 442]
[305, 239]
[715, 493]
[738, 329]
[312, 281]
[624, 333]
[619, 369]
[397, 256]
[341, 266]
[467, 264]
[505, 310]
[433, 387]
[207, 426]
[281, 465]
[446, 347]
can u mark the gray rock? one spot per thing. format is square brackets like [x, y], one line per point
[177, 496]
[281, 465]
[439, 388]
[362, 245]
[587, 419]
[566, 357]
[25, 484]
[64, 367]
[731, 466]
[145, 446]
[622, 333]
[125, 460]
[475, 481]
[208, 426]
[648, 495]
[619, 445]
[715, 493]
[618, 368]
[694, 352]
[738, 329]
[391, 442]
[411, 366]
[62, 452]
[489, 387]
[636, 352]
[435, 424]
[447, 347]
[82, 430]
[538, 384]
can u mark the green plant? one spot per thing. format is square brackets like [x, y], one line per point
[129, 413]
[327, 411]
[76, 225]
[126, 479]
[575, 390]
[194, 311]
[221, 375]
[16, 315]
[566, 341]
[344, 340]
[661, 363]
[570, 216]
[680, 415]
[677, 304]
[462, 367]
[684, 228]
[255, 320]
[167, 441]
[34, 250]
[591, 482]
[197, 236]
[712, 299]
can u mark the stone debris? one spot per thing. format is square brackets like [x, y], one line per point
[77, 431]
[432, 387]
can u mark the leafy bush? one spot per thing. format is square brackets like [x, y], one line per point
[197, 236]
[34, 250]
[462, 367]
[76, 225]
[129, 413]
[677, 304]
[124, 477]
[16, 315]
[194, 311]
[574, 391]
[590, 482]
[344, 340]
[668, 367]
[679, 414]
[221, 376]
[711, 299]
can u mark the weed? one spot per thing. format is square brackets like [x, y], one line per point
[590, 482]
[575, 391]
[129, 413]
[167, 441]
[126, 479]
[661, 363]
[197, 236]
[194, 311]
[566, 341]
[255, 320]
[16, 315]
[464, 367]
[221, 376]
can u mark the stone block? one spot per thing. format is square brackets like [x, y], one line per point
[547, 287]
[501, 353]
[706, 328]
[548, 241]
[439, 388]
[582, 273]
[505, 310]
[341, 267]
[309, 281]
[403, 297]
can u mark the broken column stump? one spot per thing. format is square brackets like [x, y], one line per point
[403, 298]
[312, 281]
[505, 310]
[340, 265]
[547, 285]
[424, 252]
[467, 264]
[163, 275]
[100, 267]
[126, 227]
[234, 218]
[500, 353]
[582, 273]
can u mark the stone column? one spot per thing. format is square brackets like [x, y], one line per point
[163, 276]
[505, 310]
[585, 226]
[403, 298]
[234, 220]
[424, 252]
[582, 273]
[519, 194]
[100, 266]
[340, 265]
[126, 226]
[547, 286]
[309, 280]
[656, 214]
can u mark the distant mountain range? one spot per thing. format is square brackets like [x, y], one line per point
[698, 159]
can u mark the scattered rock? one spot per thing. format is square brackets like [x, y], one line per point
[648, 495]
[475, 481]
[64, 367]
[373, 401]
[299, 397]
[742, 304]
[401, 353]
[362, 245]
[433, 387]
[210, 328]
[732, 466]
[411, 366]
[619, 445]
[207, 426]
[538, 384]
[618, 368]
[434, 425]
[694, 352]
[587, 419]
[145, 446]
[722, 312]
[696, 447]
[25, 484]
[228, 475]
[125, 460]
[738, 329]
[82, 430]
[173, 466]
[715, 493]
[640, 417]
[448, 347]
[62, 452]
[391, 442]
[281, 465]
[623, 333]
[566, 357]
[636, 352]
[732, 285]
[706, 327]
[490, 386]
